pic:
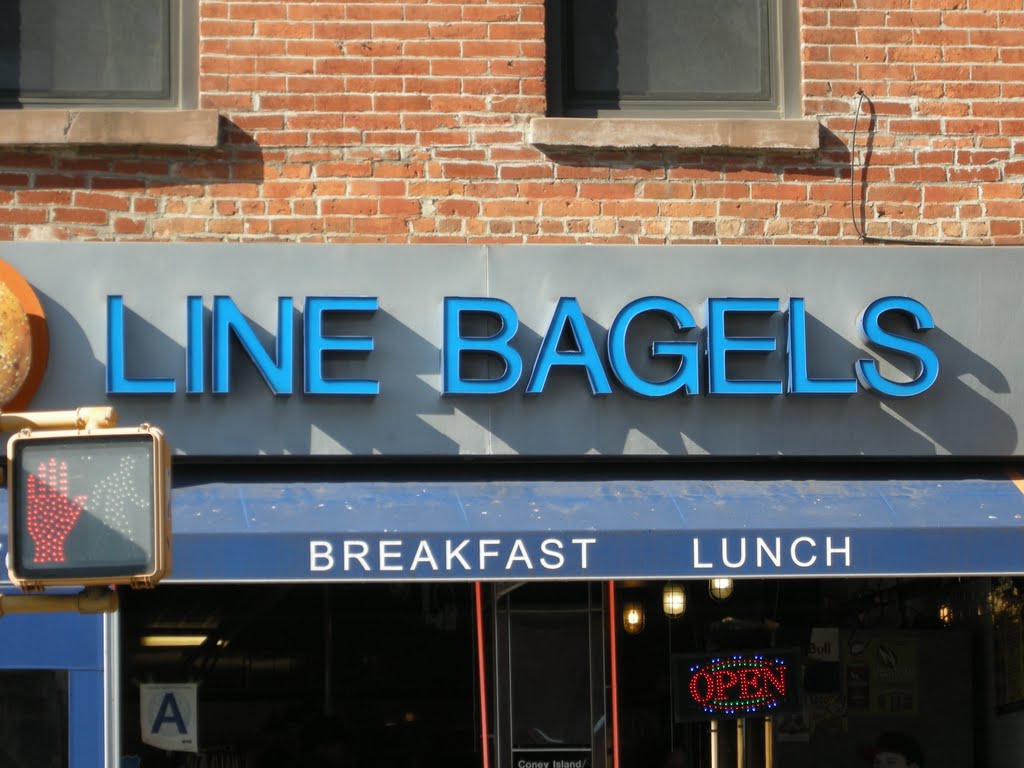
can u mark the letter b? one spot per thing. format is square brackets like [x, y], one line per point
[497, 345]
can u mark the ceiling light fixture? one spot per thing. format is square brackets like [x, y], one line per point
[173, 641]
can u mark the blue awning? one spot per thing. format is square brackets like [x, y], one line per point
[644, 528]
[597, 529]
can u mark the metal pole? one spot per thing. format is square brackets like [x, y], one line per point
[481, 671]
[88, 417]
[612, 625]
[112, 686]
[328, 641]
[89, 600]
[671, 703]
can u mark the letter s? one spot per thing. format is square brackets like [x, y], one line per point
[871, 330]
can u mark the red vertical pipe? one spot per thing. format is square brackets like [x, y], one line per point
[612, 625]
[480, 673]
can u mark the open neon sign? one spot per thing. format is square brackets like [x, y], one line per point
[737, 685]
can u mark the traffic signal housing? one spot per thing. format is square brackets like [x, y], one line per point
[88, 507]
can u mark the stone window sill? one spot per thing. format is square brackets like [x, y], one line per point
[739, 134]
[168, 127]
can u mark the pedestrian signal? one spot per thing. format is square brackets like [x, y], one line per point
[88, 507]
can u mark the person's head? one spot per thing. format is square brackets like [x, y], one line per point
[897, 750]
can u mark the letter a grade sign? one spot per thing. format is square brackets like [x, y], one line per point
[168, 716]
[88, 508]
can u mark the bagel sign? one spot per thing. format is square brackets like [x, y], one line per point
[24, 340]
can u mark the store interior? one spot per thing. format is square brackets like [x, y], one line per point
[367, 674]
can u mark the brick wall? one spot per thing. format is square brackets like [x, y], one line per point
[405, 121]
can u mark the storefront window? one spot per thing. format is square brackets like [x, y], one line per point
[790, 672]
[303, 675]
[1006, 602]
[33, 718]
[802, 673]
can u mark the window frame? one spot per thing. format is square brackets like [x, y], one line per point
[784, 66]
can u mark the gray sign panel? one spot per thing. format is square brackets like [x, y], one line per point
[973, 408]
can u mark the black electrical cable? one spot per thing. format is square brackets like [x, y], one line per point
[853, 155]
[857, 226]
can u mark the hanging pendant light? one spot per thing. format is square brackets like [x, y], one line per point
[633, 618]
[673, 600]
[720, 589]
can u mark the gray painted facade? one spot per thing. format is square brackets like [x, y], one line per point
[974, 409]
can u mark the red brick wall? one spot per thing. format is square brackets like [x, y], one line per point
[404, 121]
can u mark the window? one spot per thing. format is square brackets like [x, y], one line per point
[672, 58]
[98, 52]
[102, 72]
[33, 718]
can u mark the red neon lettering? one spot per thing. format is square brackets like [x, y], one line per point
[724, 679]
[731, 685]
[750, 684]
[702, 694]
[777, 678]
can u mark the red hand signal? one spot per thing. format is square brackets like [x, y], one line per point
[50, 514]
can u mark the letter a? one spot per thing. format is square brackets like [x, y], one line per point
[169, 713]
